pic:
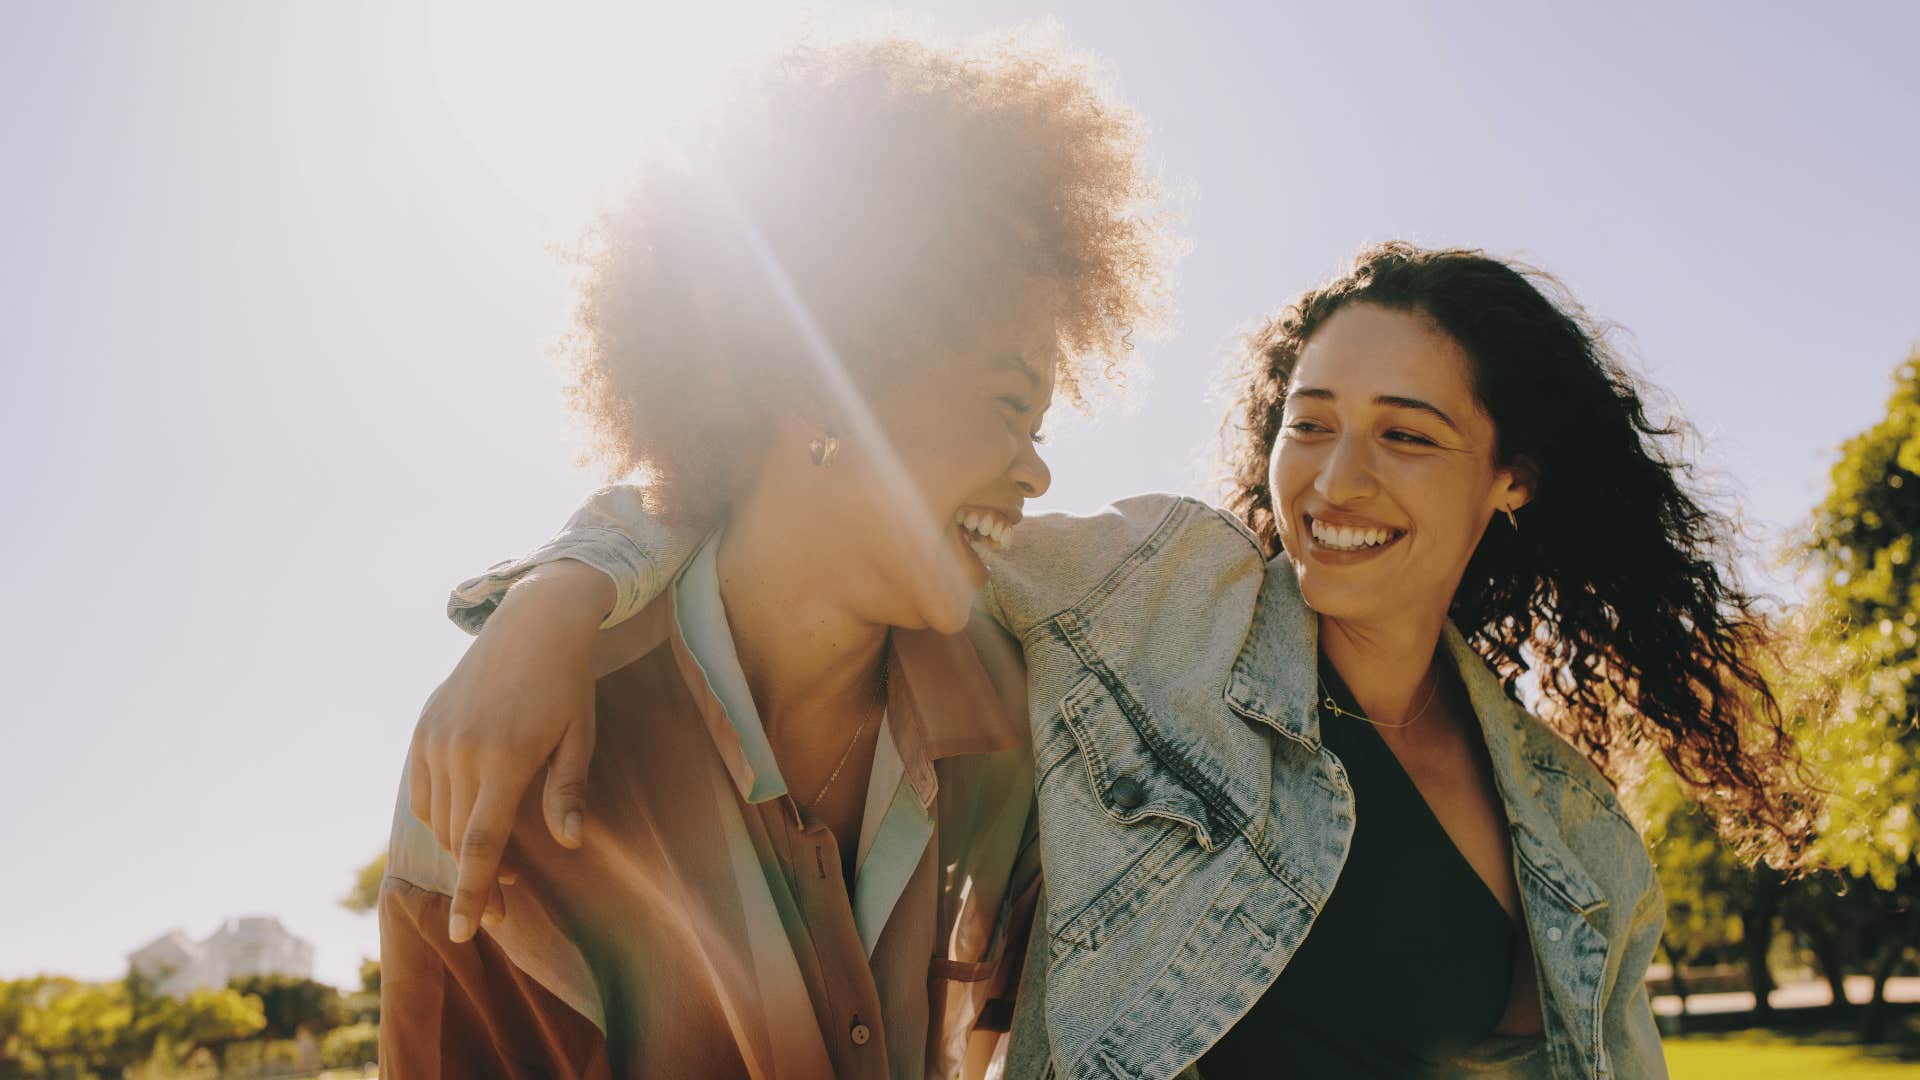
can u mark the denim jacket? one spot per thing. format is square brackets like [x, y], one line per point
[1191, 823]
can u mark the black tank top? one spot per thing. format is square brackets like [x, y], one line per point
[1408, 963]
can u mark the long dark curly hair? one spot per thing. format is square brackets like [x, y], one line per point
[1613, 591]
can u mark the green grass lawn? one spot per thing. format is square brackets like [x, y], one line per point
[1774, 1055]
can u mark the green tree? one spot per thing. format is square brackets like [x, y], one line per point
[363, 1006]
[365, 894]
[21, 1024]
[350, 1047]
[1719, 906]
[85, 1026]
[292, 1004]
[214, 1020]
[1861, 539]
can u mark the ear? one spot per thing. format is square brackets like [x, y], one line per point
[1516, 484]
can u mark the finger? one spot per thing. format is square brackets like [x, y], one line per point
[460, 811]
[481, 848]
[565, 801]
[508, 875]
[441, 819]
[419, 780]
[496, 909]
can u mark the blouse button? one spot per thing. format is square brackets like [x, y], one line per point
[1553, 933]
[861, 1034]
[1127, 793]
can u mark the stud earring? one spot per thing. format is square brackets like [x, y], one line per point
[824, 449]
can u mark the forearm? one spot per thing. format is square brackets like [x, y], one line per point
[565, 596]
[614, 531]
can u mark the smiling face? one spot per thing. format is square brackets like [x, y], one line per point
[1383, 476]
[962, 432]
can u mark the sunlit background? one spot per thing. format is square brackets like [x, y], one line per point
[275, 288]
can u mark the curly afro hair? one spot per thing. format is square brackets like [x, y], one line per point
[891, 199]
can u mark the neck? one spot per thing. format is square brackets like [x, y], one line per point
[811, 661]
[1388, 666]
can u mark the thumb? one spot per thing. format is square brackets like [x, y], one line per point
[565, 800]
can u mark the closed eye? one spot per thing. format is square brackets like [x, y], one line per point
[1018, 405]
[1410, 438]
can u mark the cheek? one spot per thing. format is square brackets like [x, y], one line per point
[1287, 472]
[952, 453]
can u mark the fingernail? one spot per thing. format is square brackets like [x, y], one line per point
[490, 919]
[508, 877]
[460, 928]
[570, 828]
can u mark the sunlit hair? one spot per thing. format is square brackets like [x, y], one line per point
[1615, 591]
[923, 200]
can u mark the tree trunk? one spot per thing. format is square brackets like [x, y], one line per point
[1826, 953]
[1902, 937]
[1874, 1029]
[1679, 980]
[1757, 934]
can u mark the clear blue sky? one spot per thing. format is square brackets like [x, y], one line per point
[273, 297]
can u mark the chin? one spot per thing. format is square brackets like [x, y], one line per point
[947, 616]
[1332, 602]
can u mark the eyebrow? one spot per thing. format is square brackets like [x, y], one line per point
[1019, 364]
[1395, 401]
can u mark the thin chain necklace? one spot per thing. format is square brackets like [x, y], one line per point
[1326, 699]
[879, 708]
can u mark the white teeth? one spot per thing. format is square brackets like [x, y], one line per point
[983, 530]
[1349, 537]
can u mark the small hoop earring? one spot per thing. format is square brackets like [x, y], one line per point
[824, 449]
[1513, 521]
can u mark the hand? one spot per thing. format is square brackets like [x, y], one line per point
[520, 698]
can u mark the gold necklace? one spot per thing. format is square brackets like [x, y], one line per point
[1326, 699]
[879, 708]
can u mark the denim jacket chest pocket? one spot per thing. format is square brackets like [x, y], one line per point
[1092, 762]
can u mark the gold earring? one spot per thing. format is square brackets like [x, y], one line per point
[824, 449]
[1513, 521]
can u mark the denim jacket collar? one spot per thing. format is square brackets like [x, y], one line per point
[1513, 742]
[1274, 675]
[1273, 681]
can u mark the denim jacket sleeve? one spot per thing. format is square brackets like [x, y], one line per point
[615, 532]
[1052, 561]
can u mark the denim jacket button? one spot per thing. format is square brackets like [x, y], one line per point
[1553, 933]
[1127, 793]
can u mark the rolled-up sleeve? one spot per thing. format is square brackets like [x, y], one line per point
[465, 1010]
[614, 531]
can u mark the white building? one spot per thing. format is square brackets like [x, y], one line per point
[252, 945]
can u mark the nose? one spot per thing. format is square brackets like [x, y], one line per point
[1030, 472]
[1347, 472]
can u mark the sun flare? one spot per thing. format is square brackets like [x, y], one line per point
[559, 100]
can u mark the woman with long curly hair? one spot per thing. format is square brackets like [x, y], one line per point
[1292, 815]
